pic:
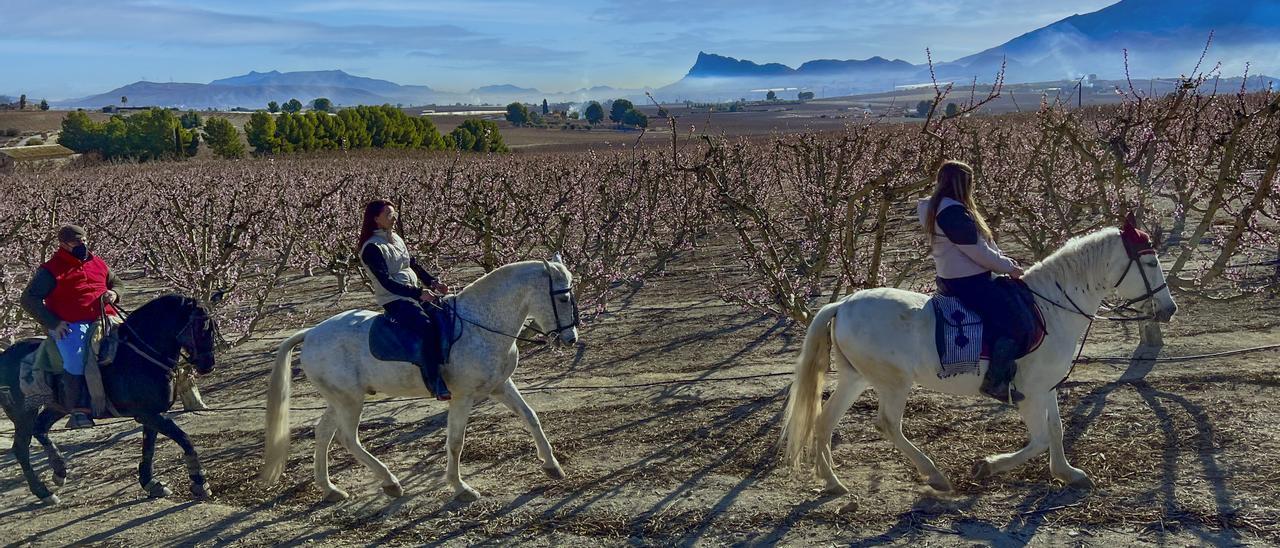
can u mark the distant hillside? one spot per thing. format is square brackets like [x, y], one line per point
[256, 89]
[1163, 38]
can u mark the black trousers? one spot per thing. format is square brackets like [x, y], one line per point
[413, 316]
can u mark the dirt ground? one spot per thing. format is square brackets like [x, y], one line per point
[1181, 453]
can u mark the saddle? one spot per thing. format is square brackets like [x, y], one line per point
[958, 331]
[390, 341]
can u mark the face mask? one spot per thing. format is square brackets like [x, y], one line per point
[80, 252]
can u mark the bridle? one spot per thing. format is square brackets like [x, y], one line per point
[555, 310]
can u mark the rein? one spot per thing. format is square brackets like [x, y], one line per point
[546, 335]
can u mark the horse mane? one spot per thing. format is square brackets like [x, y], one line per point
[1078, 259]
[166, 302]
[507, 270]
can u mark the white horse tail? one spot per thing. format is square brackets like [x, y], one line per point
[276, 450]
[805, 401]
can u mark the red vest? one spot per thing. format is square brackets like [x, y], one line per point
[79, 284]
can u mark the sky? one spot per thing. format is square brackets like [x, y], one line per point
[72, 48]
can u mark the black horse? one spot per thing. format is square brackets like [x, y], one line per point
[139, 384]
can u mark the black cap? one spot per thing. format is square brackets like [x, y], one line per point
[70, 233]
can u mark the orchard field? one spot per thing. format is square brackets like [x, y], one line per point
[698, 262]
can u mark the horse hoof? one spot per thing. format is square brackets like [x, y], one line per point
[1082, 483]
[467, 494]
[982, 470]
[393, 490]
[836, 490]
[51, 500]
[59, 480]
[554, 472]
[336, 495]
[202, 491]
[157, 490]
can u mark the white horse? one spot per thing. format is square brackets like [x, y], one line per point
[884, 338]
[336, 358]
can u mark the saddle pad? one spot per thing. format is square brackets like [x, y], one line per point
[958, 336]
[958, 331]
[390, 341]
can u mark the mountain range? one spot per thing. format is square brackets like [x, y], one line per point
[1161, 38]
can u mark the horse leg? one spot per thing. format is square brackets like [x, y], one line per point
[151, 484]
[893, 402]
[1034, 412]
[346, 416]
[1058, 465]
[850, 386]
[199, 486]
[510, 397]
[23, 425]
[45, 421]
[324, 438]
[459, 414]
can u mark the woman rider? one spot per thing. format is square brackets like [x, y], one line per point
[401, 286]
[967, 260]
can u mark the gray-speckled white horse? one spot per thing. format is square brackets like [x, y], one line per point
[336, 358]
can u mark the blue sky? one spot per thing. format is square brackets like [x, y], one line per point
[70, 48]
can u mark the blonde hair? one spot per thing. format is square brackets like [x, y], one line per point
[954, 180]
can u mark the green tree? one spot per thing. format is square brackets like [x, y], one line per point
[322, 104]
[22, 102]
[594, 113]
[191, 120]
[293, 106]
[619, 110]
[952, 110]
[545, 109]
[636, 118]
[477, 135]
[517, 114]
[124, 99]
[260, 131]
[44, 105]
[922, 108]
[273, 107]
[223, 138]
[155, 134]
[80, 133]
[805, 96]
[771, 96]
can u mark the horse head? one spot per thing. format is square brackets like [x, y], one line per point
[171, 324]
[558, 313]
[1143, 281]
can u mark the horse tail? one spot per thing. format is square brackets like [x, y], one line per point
[276, 446]
[805, 400]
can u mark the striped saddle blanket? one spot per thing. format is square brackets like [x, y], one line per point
[958, 331]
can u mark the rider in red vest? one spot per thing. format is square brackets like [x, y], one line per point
[63, 295]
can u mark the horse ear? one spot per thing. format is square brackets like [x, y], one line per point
[1130, 222]
[556, 258]
[217, 296]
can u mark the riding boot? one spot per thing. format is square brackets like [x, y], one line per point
[431, 376]
[998, 383]
[75, 398]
